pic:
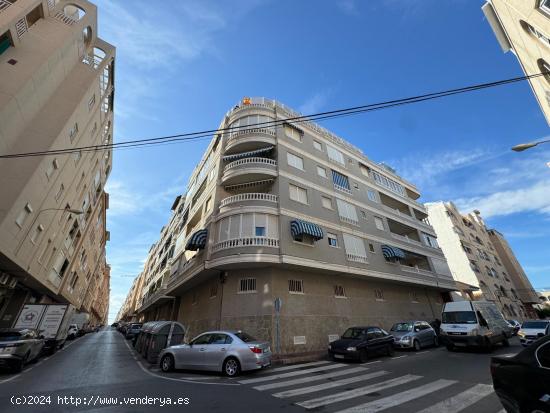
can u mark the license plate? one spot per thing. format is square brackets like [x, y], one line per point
[460, 344]
[338, 356]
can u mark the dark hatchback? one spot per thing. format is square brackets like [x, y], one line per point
[359, 343]
[522, 382]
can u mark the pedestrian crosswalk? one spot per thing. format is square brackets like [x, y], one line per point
[347, 388]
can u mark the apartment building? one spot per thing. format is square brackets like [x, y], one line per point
[523, 27]
[56, 92]
[474, 260]
[127, 311]
[292, 234]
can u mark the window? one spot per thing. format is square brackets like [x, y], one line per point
[44, 251]
[378, 294]
[34, 15]
[379, 222]
[347, 212]
[372, 195]
[371, 247]
[317, 145]
[293, 133]
[339, 291]
[208, 204]
[545, 5]
[260, 232]
[247, 285]
[23, 215]
[326, 202]
[91, 102]
[388, 183]
[364, 169]
[363, 214]
[335, 155]
[77, 156]
[51, 168]
[59, 192]
[5, 42]
[74, 280]
[297, 194]
[296, 286]
[322, 172]
[73, 132]
[430, 241]
[213, 289]
[295, 161]
[355, 248]
[414, 296]
[35, 237]
[341, 182]
[332, 240]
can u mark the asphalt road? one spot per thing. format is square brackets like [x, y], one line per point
[101, 372]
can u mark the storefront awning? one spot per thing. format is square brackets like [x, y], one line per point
[392, 253]
[242, 155]
[299, 228]
[197, 240]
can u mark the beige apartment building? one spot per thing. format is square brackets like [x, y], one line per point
[474, 260]
[292, 234]
[127, 311]
[56, 92]
[523, 27]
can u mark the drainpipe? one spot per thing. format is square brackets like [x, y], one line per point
[222, 277]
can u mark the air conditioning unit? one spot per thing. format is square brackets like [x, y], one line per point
[4, 278]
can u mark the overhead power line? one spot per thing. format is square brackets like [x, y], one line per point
[190, 136]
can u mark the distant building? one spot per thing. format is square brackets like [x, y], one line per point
[474, 260]
[292, 234]
[56, 92]
[523, 27]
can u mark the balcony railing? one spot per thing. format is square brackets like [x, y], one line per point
[246, 242]
[349, 220]
[248, 161]
[407, 239]
[251, 106]
[342, 189]
[416, 270]
[357, 258]
[4, 5]
[248, 197]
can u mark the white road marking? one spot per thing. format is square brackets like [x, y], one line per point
[371, 362]
[292, 374]
[398, 357]
[422, 352]
[350, 394]
[461, 401]
[399, 398]
[316, 377]
[297, 366]
[329, 385]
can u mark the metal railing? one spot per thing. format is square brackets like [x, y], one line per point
[342, 189]
[246, 242]
[255, 196]
[357, 258]
[4, 4]
[247, 161]
[407, 239]
[416, 270]
[349, 220]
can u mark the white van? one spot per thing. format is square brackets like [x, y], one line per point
[473, 323]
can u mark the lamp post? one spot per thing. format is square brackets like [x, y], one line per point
[69, 210]
[523, 146]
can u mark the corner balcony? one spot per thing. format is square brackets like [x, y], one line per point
[249, 169]
[246, 242]
[250, 139]
[248, 199]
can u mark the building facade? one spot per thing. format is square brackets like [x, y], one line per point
[56, 93]
[292, 234]
[474, 260]
[523, 27]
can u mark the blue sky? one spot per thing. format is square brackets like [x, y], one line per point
[182, 64]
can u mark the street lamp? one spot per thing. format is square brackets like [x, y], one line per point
[69, 210]
[523, 146]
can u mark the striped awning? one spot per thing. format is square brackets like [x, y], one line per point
[249, 154]
[299, 228]
[197, 240]
[392, 253]
[340, 180]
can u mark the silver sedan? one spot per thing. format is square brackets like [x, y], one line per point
[227, 351]
[19, 346]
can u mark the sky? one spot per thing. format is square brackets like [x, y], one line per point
[181, 64]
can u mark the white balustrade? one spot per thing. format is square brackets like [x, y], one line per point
[249, 161]
[248, 197]
[246, 242]
[357, 258]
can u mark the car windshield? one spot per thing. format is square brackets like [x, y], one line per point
[534, 324]
[10, 336]
[245, 337]
[136, 326]
[354, 333]
[402, 327]
[459, 317]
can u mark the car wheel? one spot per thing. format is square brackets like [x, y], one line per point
[231, 367]
[167, 363]
[363, 356]
[436, 341]
[416, 345]
[390, 350]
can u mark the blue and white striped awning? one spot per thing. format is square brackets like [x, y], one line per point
[197, 240]
[249, 154]
[392, 253]
[299, 228]
[340, 180]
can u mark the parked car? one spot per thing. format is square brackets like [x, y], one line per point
[115, 324]
[72, 332]
[522, 381]
[414, 334]
[227, 351]
[133, 330]
[19, 346]
[516, 325]
[532, 330]
[359, 343]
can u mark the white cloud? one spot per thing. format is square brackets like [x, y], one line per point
[315, 103]
[348, 7]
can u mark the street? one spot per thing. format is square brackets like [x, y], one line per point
[101, 372]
